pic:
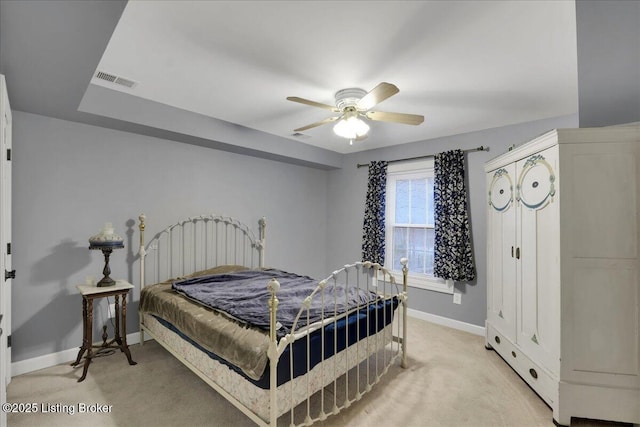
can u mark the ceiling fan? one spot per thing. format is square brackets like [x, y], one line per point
[354, 104]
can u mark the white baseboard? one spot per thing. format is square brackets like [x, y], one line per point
[445, 321]
[65, 356]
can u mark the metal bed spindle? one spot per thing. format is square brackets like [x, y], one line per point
[335, 347]
[322, 333]
[346, 333]
[358, 394]
[368, 335]
[384, 318]
[308, 417]
[193, 245]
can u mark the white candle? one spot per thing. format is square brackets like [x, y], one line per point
[108, 228]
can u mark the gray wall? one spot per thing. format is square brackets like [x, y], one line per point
[69, 179]
[608, 34]
[347, 190]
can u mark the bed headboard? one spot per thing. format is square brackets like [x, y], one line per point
[199, 243]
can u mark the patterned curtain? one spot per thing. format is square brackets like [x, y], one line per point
[453, 258]
[373, 232]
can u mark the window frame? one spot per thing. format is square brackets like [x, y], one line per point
[404, 170]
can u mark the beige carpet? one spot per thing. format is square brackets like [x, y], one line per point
[451, 381]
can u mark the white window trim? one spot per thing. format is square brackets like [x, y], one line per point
[414, 280]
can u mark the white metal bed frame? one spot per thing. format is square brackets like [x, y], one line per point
[206, 241]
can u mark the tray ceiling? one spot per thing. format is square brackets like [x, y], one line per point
[465, 66]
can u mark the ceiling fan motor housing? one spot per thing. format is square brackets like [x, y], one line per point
[349, 97]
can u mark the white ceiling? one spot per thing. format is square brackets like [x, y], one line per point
[464, 65]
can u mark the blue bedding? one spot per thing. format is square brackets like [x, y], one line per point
[244, 295]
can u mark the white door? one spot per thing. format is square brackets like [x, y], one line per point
[5, 241]
[501, 273]
[538, 257]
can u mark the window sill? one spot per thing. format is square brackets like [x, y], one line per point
[427, 283]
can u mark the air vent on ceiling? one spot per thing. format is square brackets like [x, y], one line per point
[111, 78]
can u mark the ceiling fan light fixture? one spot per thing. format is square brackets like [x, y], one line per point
[351, 128]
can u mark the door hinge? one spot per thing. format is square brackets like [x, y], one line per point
[9, 341]
[9, 275]
[8, 154]
[8, 248]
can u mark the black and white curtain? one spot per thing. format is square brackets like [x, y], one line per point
[373, 230]
[453, 258]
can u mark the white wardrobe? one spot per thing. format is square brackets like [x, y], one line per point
[563, 269]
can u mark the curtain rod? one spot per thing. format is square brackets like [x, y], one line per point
[480, 148]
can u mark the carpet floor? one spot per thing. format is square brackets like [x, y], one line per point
[452, 380]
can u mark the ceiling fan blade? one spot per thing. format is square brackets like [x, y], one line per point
[407, 119]
[312, 103]
[377, 95]
[316, 124]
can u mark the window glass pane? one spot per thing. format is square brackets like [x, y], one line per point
[399, 246]
[428, 269]
[402, 201]
[419, 201]
[430, 206]
[417, 249]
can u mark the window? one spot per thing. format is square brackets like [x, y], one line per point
[410, 224]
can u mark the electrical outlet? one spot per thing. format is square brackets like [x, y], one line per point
[457, 298]
[112, 310]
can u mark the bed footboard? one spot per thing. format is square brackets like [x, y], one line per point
[379, 285]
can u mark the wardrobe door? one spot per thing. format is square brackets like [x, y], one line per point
[538, 258]
[501, 240]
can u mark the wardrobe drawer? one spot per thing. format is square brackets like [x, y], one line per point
[538, 378]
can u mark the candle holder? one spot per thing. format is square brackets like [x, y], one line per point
[106, 241]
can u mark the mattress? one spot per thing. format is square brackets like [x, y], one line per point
[375, 349]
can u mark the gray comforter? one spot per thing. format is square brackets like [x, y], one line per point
[244, 296]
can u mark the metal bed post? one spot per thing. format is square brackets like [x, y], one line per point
[405, 272]
[263, 225]
[273, 288]
[142, 254]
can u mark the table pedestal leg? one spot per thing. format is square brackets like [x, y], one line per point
[84, 346]
[89, 335]
[123, 342]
